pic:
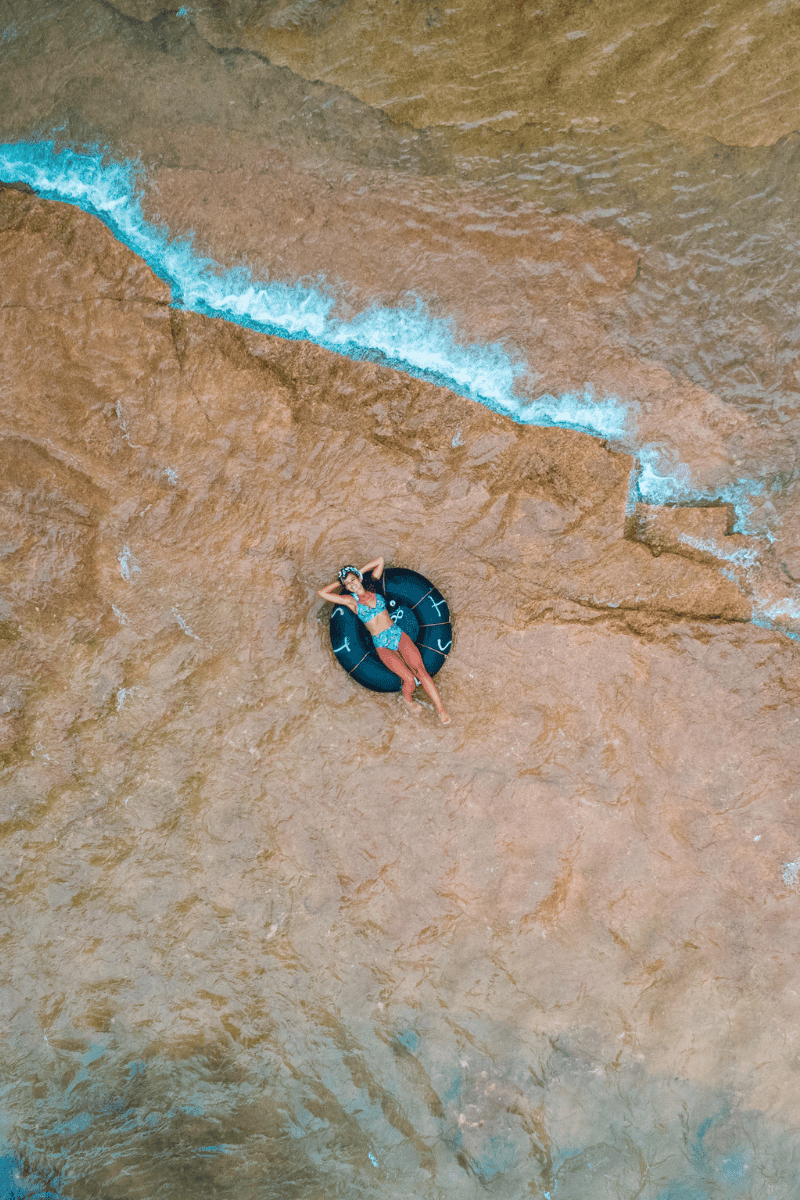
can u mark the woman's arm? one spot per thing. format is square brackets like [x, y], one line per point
[333, 597]
[378, 564]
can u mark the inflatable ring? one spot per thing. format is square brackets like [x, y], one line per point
[417, 607]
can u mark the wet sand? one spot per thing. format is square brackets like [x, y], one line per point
[267, 933]
[215, 839]
[728, 71]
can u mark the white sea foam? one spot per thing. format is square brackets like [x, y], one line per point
[744, 558]
[660, 479]
[788, 609]
[184, 625]
[128, 565]
[608, 418]
[409, 338]
[790, 872]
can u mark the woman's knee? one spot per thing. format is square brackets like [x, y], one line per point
[422, 674]
[406, 676]
[414, 663]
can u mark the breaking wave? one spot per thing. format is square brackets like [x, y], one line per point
[408, 338]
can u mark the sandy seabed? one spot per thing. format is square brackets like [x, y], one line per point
[268, 933]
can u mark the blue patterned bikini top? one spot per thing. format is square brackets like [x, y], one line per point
[365, 611]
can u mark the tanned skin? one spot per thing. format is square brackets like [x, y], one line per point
[406, 660]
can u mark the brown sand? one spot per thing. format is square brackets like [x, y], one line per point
[213, 836]
[266, 934]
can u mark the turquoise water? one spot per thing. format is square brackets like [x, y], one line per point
[406, 338]
[207, 1125]
[409, 339]
[308, 1087]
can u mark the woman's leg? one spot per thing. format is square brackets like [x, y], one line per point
[413, 659]
[392, 660]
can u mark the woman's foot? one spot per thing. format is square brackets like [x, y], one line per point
[443, 717]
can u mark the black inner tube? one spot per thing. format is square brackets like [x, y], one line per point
[417, 607]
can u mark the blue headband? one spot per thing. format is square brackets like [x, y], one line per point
[345, 571]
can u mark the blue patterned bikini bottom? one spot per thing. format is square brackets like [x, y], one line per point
[388, 639]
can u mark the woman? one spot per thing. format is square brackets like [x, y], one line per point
[394, 648]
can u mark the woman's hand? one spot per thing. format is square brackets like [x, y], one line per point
[378, 564]
[330, 594]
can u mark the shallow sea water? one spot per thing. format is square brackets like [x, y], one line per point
[263, 936]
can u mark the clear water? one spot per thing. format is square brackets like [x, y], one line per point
[273, 1016]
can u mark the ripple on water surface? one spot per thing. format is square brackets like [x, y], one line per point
[271, 1039]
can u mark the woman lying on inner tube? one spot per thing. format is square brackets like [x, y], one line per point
[394, 648]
